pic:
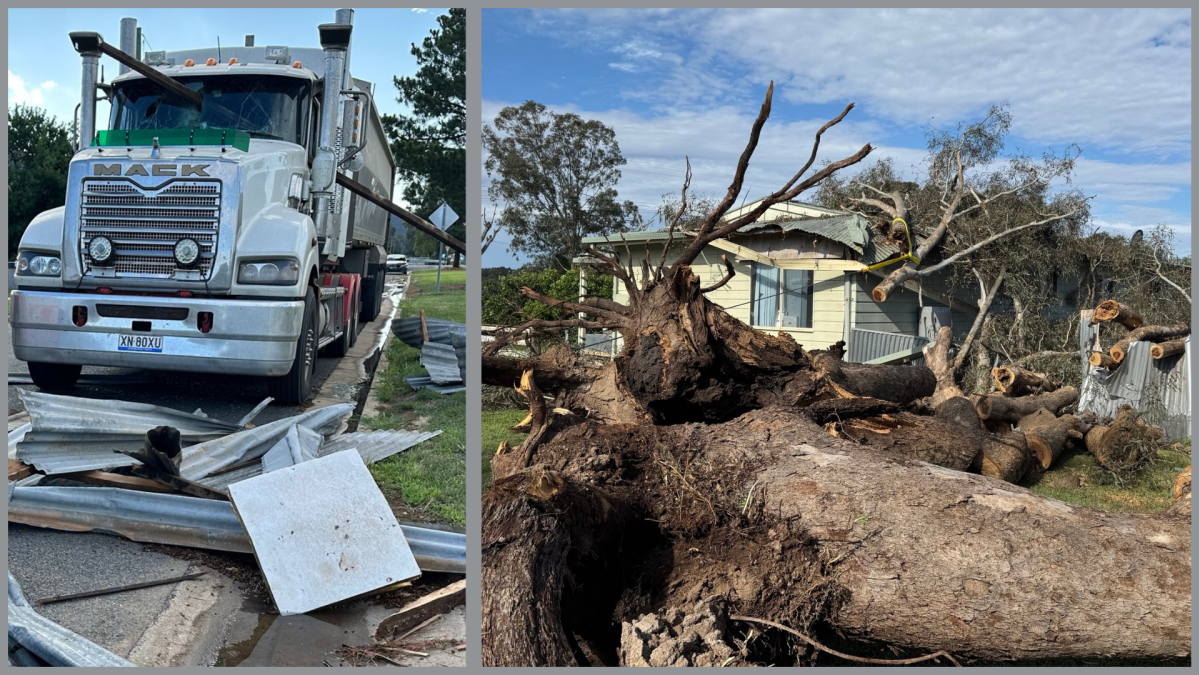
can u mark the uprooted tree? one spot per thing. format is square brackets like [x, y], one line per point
[711, 472]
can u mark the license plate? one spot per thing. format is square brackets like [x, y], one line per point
[139, 343]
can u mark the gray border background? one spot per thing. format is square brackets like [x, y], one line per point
[474, 206]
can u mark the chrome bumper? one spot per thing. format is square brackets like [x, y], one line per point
[248, 337]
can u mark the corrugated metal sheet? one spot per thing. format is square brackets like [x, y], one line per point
[459, 342]
[425, 382]
[186, 521]
[70, 434]
[316, 551]
[299, 444]
[203, 459]
[872, 344]
[1158, 388]
[441, 363]
[408, 330]
[375, 446]
[50, 642]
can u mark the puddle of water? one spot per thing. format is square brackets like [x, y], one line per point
[259, 638]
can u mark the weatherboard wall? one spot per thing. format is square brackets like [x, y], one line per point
[828, 293]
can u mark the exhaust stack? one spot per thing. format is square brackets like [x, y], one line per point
[88, 46]
[335, 40]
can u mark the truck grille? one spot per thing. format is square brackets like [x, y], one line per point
[144, 224]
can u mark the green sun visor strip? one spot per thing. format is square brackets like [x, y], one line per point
[115, 138]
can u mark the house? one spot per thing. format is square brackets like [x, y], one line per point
[800, 270]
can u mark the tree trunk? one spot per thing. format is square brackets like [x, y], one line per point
[937, 358]
[1167, 349]
[898, 384]
[1014, 380]
[1003, 409]
[1152, 333]
[1111, 311]
[792, 525]
[1046, 435]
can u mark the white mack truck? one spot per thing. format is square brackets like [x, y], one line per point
[232, 219]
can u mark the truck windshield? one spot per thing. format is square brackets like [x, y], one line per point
[262, 106]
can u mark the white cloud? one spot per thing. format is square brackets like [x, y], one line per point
[1119, 79]
[419, 10]
[20, 93]
[623, 66]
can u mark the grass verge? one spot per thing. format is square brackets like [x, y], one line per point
[1079, 479]
[426, 482]
[495, 430]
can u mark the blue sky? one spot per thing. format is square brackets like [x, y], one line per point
[689, 82]
[44, 70]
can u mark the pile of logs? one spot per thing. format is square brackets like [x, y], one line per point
[1168, 338]
[1020, 429]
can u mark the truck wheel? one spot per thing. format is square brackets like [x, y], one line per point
[54, 376]
[293, 388]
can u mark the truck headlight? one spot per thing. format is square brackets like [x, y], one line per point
[30, 264]
[187, 252]
[280, 272]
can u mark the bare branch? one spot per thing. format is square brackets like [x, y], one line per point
[586, 305]
[1158, 271]
[687, 182]
[985, 304]
[926, 271]
[729, 274]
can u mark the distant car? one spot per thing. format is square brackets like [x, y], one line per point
[397, 263]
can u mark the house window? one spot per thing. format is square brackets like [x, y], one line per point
[782, 299]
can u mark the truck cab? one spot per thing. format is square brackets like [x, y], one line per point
[203, 231]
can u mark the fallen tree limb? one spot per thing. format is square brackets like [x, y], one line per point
[1151, 333]
[1004, 409]
[1046, 435]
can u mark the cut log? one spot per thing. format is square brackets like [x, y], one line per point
[1102, 360]
[1111, 311]
[1168, 349]
[422, 609]
[1046, 435]
[898, 384]
[1151, 333]
[961, 411]
[1017, 381]
[1006, 457]
[1003, 409]
[1183, 483]
[928, 558]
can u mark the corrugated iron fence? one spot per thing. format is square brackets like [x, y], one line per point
[1159, 388]
[873, 344]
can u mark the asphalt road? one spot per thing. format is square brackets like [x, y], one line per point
[178, 624]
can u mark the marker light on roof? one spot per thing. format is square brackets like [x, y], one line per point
[296, 64]
[210, 62]
[189, 63]
[232, 61]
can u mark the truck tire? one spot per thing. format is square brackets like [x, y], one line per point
[342, 345]
[294, 388]
[355, 310]
[54, 376]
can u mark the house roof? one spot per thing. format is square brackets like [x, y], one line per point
[850, 229]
